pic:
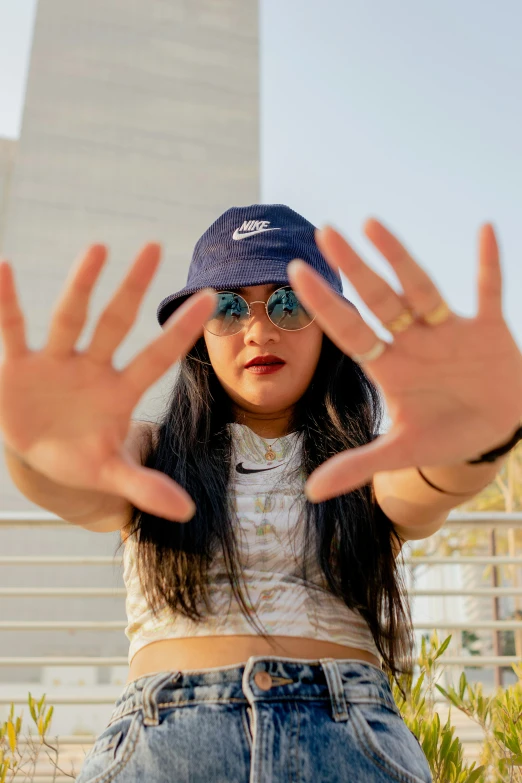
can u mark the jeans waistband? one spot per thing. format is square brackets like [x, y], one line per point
[261, 678]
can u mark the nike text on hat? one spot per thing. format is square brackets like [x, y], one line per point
[250, 246]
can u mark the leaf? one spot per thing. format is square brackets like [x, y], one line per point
[31, 707]
[450, 696]
[11, 735]
[443, 647]
[418, 686]
[48, 718]
[474, 776]
[446, 740]
[462, 685]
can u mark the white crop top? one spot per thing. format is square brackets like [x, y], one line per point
[270, 551]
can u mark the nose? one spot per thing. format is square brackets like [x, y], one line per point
[259, 328]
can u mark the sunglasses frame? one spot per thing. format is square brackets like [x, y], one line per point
[257, 301]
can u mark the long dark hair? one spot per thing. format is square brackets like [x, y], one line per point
[349, 537]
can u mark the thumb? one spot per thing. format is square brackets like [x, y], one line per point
[355, 467]
[148, 489]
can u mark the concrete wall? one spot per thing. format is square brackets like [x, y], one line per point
[8, 149]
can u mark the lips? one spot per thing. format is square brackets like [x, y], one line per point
[267, 359]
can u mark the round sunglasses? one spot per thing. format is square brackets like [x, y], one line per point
[233, 312]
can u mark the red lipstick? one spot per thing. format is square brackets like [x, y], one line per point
[266, 364]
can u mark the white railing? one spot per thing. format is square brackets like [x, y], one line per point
[48, 520]
[43, 519]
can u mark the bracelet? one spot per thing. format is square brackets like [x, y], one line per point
[489, 456]
[439, 489]
[494, 454]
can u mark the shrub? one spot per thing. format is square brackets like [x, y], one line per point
[15, 757]
[499, 715]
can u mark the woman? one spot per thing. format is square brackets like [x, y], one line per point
[264, 622]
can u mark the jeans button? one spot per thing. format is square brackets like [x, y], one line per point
[263, 680]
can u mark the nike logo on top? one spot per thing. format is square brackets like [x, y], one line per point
[241, 469]
[251, 227]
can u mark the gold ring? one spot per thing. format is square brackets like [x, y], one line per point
[401, 323]
[438, 315]
[373, 353]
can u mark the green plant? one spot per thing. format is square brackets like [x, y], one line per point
[15, 757]
[499, 715]
[442, 748]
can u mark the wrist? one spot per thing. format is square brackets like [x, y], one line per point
[492, 455]
[461, 479]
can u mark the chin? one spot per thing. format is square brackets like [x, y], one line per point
[268, 404]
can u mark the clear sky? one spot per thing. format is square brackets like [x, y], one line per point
[411, 112]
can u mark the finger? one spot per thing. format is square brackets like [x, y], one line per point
[118, 317]
[377, 294]
[149, 490]
[178, 336]
[337, 317]
[489, 274]
[419, 289]
[354, 468]
[12, 321]
[70, 313]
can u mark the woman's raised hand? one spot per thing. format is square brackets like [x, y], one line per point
[67, 413]
[453, 390]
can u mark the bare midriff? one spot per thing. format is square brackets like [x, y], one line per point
[206, 652]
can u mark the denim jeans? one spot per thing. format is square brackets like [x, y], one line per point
[269, 720]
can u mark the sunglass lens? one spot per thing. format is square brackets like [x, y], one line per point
[286, 311]
[230, 313]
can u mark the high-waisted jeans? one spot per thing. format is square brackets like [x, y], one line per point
[269, 720]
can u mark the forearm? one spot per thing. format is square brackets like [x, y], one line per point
[409, 501]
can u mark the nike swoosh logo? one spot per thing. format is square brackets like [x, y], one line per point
[241, 469]
[237, 235]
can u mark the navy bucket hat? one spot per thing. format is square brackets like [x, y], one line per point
[250, 245]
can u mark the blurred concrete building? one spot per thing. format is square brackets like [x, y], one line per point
[141, 122]
[8, 149]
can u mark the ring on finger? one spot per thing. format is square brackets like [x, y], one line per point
[438, 315]
[402, 322]
[373, 353]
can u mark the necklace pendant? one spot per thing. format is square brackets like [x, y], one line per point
[270, 454]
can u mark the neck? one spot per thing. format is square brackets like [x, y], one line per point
[266, 425]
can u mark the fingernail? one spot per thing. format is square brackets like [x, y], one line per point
[312, 496]
[296, 262]
[190, 513]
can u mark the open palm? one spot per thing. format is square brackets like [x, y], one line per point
[452, 390]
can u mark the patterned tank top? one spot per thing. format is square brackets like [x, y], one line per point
[266, 493]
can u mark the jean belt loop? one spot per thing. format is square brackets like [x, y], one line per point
[150, 693]
[335, 688]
